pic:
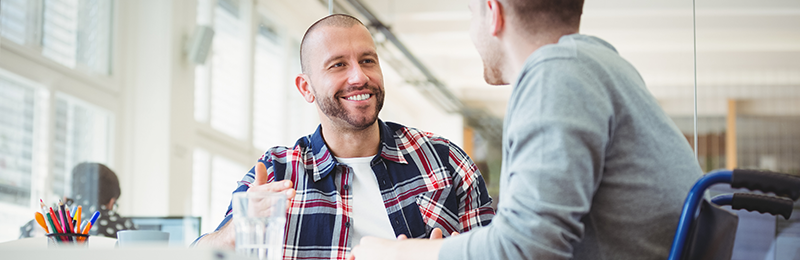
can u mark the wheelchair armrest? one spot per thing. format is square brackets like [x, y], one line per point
[763, 204]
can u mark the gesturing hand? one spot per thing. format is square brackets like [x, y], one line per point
[260, 183]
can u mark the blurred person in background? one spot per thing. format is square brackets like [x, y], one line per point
[95, 187]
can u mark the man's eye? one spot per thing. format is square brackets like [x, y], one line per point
[337, 65]
[368, 61]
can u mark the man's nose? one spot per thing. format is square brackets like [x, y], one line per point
[357, 76]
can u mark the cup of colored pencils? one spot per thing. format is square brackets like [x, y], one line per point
[64, 227]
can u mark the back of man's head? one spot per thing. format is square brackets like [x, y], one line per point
[335, 20]
[534, 16]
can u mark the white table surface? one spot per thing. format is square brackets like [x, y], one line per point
[41, 242]
[103, 248]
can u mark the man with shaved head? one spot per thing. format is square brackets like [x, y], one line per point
[592, 166]
[356, 175]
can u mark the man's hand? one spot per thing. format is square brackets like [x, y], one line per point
[225, 237]
[260, 183]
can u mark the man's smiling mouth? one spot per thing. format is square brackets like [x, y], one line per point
[358, 97]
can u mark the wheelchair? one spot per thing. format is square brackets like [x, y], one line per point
[707, 231]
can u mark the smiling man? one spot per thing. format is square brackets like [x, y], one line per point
[356, 175]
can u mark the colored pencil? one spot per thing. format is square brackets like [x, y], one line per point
[91, 222]
[77, 217]
[53, 225]
[82, 227]
[44, 207]
[54, 217]
[63, 216]
[70, 228]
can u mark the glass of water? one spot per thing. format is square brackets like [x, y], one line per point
[259, 219]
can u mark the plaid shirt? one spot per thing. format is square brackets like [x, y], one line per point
[425, 180]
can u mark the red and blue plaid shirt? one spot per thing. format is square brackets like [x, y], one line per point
[426, 182]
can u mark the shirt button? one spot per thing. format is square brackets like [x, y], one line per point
[346, 187]
[347, 224]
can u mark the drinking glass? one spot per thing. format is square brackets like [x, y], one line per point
[259, 219]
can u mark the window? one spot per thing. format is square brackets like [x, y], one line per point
[269, 90]
[245, 102]
[82, 133]
[214, 178]
[76, 34]
[17, 103]
[35, 159]
[222, 86]
[21, 109]
[14, 16]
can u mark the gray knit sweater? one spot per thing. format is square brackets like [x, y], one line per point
[592, 166]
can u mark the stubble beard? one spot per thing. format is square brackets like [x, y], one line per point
[492, 73]
[332, 107]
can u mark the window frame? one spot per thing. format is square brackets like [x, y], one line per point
[26, 63]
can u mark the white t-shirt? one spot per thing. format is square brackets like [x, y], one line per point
[369, 217]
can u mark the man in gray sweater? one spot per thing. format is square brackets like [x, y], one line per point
[592, 166]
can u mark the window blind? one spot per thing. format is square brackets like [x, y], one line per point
[269, 91]
[94, 35]
[77, 33]
[228, 113]
[16, 141]
[60, 26]
[13, 17]
[224, 175]
[81, 134]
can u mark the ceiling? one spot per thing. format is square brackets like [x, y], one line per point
[746, 50]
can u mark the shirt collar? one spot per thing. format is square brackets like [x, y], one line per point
[324, 162]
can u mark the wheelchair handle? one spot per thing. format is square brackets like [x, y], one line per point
[766, 181]
[763, 204]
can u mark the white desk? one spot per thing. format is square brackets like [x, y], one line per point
[41, 242]
[103, 248]
[164, 253]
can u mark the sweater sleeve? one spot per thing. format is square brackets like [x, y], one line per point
[556, 130]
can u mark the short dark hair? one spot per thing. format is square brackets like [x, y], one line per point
[337, 20]
[557, 14]
[94, 183]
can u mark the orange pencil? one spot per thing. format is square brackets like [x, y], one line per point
[82, 228]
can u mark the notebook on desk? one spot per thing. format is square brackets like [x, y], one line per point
[182, 230]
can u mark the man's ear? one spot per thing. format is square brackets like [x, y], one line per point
[496, 16]
[302, 83]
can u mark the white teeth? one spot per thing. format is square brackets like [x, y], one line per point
[358, 97]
